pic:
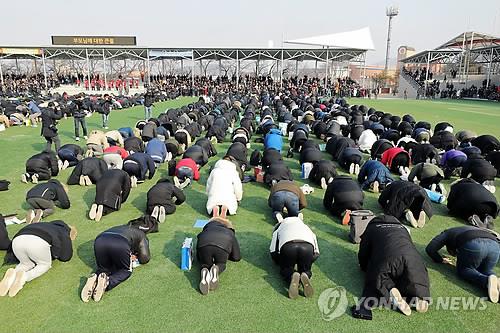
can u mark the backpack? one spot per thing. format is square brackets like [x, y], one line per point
[358, 222]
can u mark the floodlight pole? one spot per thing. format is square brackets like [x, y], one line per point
[237, 71]
[192, 72]
[391, 12]
[489, 69]
[1, 73]
[44, 71]
[427, 72]
[104, 69]
[88, 66]
[326, 68]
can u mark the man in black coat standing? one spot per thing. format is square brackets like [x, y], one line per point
[393, 268]
[115, 249]
[79, 115]
[112, 189]
[49, 116]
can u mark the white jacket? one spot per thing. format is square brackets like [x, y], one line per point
[224, 187]
[366, 140]
[292, 229]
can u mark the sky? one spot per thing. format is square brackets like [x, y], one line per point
[422, 24]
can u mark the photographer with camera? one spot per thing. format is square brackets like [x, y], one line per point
[49, 116]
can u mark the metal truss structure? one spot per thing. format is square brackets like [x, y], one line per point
[148, 55]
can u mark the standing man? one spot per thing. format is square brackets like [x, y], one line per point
[35, 113]
[79, 118]
[148, 104]
[49, 116]
[106, 106]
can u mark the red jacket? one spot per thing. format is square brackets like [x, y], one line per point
[389, 155]
[190, 163]
[117, 150]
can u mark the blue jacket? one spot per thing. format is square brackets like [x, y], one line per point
[126, 132]
[145, 163]
[372, 171]
[33, 107]
[157, 150]
[274, 140]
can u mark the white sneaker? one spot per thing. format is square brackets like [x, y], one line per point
[65, 165]
[205, 281]
[93, 211]
[399, 302]
[176, 182]
[60, 164]
[421, 219]
[85, 137]
[279, 217]
[351, 168]
[24, 178]
[493, 288]
[323, 183]
[301, 216]
[77, 139]
[7, 281]
[98, 214]
[133, 181]
[376, 187]
[155, 212]
[356, 169]
[411, 219]
[18, 284]
[433, 187]
[161, 214]
[34, 178]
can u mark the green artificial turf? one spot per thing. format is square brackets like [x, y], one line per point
[252, 297]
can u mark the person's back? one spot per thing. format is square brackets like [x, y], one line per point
[112, 188]
[157, 150]
[51, 190]
[341, 194]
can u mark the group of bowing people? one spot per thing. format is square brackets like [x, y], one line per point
[119, 160]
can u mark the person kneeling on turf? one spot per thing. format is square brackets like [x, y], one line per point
[115, 250]
[163, 198]
[70, 154]
[403, 199]
[323, 173]
[137, 166]
[286, 194]
[44, 197]
[112, 190]
[216, 245]
[294, 243]
[35, 246]
[342, 195]
[375, 176]
[477, 252]
[428, 176]
[224, 189]
[393, 267]
[186, 170]
[41, 166]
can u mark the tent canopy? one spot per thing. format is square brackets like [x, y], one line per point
[357, 39]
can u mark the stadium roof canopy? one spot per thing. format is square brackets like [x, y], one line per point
[140, 53]
[356, 39]
[482, 48]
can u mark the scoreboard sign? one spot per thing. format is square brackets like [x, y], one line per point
[94, 40]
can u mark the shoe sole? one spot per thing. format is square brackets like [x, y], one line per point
[346, 218]
[7, 281]
[293, 289]
[100, 288]
[87, 181]
[421, 219]
[214, 274]
[34, 179]
[204, 283]
[161, 214]
[16, 287]
[155, 212]
[356, 169]
[351, 168]
[493, 292]
[399, 302]
[38, 216]
[411, 219]
[93, 212]
[376, 187]
[323, 183]
[306, 284]
[30, 216]
[24, 179]
[88, 289]
[98, 215]
[422, 306]
[82, 181]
